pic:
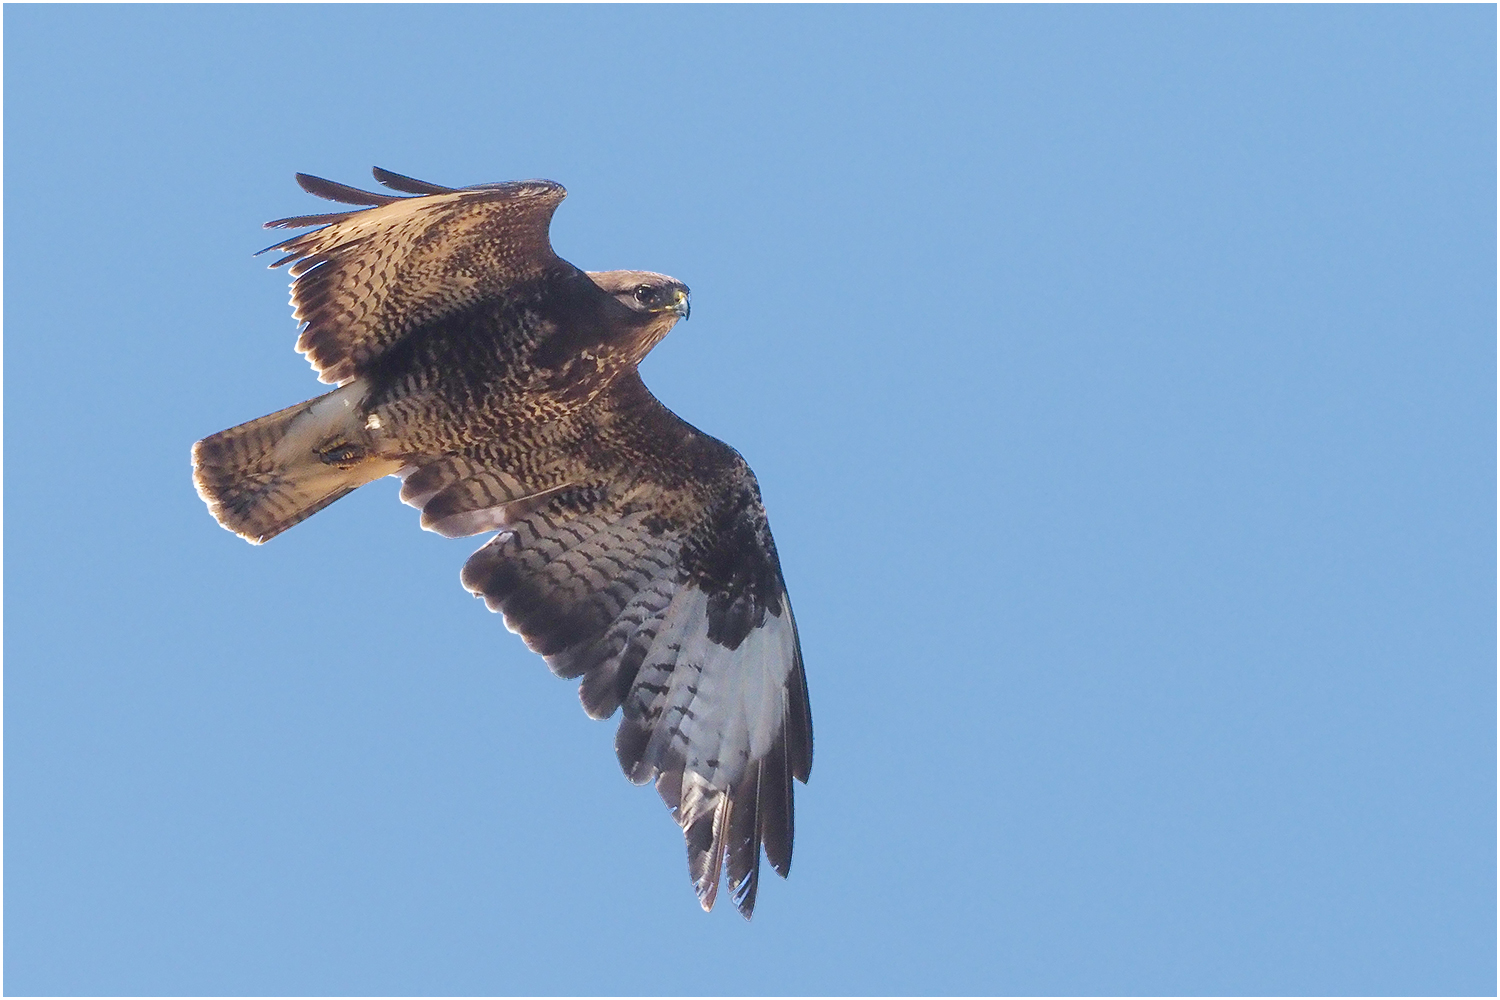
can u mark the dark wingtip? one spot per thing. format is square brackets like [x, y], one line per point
[334, 191]
[745, 902]
[408, 185]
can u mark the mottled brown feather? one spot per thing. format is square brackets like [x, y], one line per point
[368, 278]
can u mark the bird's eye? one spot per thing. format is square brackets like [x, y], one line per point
[643, 294]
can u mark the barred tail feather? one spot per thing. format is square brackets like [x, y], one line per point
[264, 476]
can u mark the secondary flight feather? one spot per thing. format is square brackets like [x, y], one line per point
[632, 550]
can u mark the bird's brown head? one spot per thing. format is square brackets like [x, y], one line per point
[645, 292]
[651, 305]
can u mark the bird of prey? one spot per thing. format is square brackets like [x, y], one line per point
[499, 382]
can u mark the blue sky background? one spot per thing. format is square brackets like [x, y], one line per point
[1121, 384]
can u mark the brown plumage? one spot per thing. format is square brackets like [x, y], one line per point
[499, 381]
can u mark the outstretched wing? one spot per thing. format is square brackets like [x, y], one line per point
[653, 577]
[368, 277]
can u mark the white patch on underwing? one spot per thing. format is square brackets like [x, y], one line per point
[725, 705]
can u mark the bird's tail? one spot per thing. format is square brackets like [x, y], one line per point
[264, 476]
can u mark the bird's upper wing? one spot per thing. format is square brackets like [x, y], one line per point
[653, 577]
[368, 277]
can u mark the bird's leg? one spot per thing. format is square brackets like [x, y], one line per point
[342, 454]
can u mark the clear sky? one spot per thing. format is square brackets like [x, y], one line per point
[1121, 385]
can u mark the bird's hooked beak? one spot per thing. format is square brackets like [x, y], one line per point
[683, 304]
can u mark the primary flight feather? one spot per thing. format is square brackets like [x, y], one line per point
[499, 382]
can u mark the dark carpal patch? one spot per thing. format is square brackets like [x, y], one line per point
[733, 560]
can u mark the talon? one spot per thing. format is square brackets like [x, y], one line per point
[342, 455]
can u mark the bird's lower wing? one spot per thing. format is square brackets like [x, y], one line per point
[662, 591]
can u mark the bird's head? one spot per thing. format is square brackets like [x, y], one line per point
[646, 292]
[653, 303]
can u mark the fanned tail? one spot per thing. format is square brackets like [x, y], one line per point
[264, 476]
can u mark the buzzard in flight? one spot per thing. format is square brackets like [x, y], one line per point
[499, 382]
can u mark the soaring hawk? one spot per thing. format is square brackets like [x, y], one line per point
[499, 382]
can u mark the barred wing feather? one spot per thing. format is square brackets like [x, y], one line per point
[683, 624]
[368, 277]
